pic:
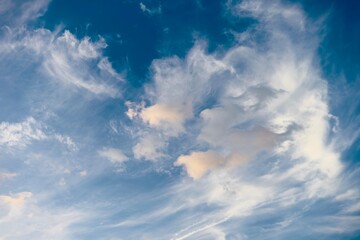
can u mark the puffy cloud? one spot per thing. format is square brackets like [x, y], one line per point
[178, 84]
[165, 117]
[113, 155]
[198, 163]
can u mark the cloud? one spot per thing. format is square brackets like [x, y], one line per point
[113, 155]
[17, 13]
[348, 195]
[6, 5]
[83, 173]
[5, 176]
[178, 86]
[249, 125]
[17, 200]
[165, 117]
[149, 147]
[149, 11]
[198, 163]
[67, 141]
[63, 58]
[70, 60]
[265, 100]
[37, 221]
[20, 134]
[256, 137]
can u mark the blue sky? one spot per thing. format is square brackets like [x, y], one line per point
[191, 119]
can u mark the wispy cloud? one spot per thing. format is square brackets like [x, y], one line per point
[36, 221]
[15, 13]
[150, 11]
[113, 155]
[64, 58]
[21, 134]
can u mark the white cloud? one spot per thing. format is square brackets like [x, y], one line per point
[348, 195]
[178, 85]
[106, 66]
[149, 11]
[149, 147]
[69, 61]
[113, 155]
[36, 221]
[267, 100]
[83, 173]
[256, 119]
[62, 182]
[134, 109]
[64, 58]
[143, 7]
[355, 207]
[18, 13]
[67, 141]
[20, 134]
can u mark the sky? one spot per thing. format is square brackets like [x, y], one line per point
[170, 120]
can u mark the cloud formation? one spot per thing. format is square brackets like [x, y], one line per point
[165, 117]
[238, 141]
[18, 13]
[113, 155]
[17, 200]
[198, 163]
[20, 134]
[252, 127]
[266, 100]
[63, 58]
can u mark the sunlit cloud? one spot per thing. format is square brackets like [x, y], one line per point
[234, 139]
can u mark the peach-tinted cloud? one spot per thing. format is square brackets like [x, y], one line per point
[198, 163]
[17, 200]
[166, 117]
